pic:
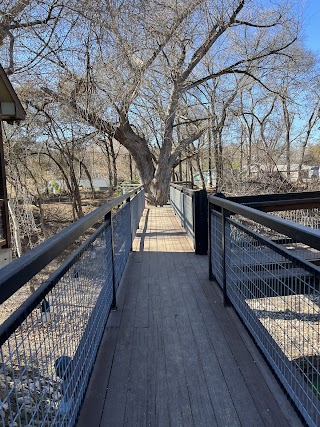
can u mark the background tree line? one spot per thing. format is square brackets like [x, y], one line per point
[181, 86]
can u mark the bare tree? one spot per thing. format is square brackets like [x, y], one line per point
[133, 71]
[165, 54]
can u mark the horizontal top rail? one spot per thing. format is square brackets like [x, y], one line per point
[21, 270]
[280, 201]
[22, 312]
[297, 232]
[185, 189]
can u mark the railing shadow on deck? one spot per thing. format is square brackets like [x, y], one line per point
[49, 344]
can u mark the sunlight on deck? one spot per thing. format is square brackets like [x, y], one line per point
[160, 231]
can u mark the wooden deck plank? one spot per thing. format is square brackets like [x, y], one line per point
[239, 394]
[114, 405]
[95, 395]
[268, 395]
[136, 403]
[178, 388]
[177, 356]
[158, 410]
[221, 398]
[201, 405]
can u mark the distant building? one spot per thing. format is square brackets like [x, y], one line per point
[58, 186]
[206, 175]
[99, 184]
[307, 172]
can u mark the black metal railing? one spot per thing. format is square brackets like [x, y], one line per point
[192, 209]
[49, 344]
[273, 288]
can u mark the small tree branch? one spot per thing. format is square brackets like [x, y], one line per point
[232, 68]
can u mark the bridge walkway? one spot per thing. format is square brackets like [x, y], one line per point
[172, 354]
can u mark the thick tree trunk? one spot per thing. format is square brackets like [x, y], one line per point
[158, 192]
[139, 150]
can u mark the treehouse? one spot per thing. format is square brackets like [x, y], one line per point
[11, 111]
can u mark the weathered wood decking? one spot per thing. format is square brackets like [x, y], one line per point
[172, 355]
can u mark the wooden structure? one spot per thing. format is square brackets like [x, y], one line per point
[172, 354]
[11, 111]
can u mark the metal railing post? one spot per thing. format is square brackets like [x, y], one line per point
[182, 219]
[226, 301]
[209, 241]
[128, 201]
[200, 221]
[108, 220]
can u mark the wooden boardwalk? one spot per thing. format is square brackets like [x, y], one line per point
[171, 354]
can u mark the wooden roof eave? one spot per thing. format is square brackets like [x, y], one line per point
[20, 113]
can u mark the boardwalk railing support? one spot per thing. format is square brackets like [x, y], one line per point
[52, 339]
[225, 249]
[191, 206]
[267, 268]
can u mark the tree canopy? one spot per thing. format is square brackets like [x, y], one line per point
[158, 75]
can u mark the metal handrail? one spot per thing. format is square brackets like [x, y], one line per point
[11, 324]
[49, 343]
[264, 279]
[279, 201]
[297, 232]
[19, 271]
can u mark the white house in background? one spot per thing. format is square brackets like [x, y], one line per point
[307, 172]
[99, 184]
[206, 176]
[58, 186]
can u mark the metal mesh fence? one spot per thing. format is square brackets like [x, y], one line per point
[216, 247]
[182, 204]
[276, 293]
[46, 361]
[137, 206]
[176, 201]
[49, 344]
[122, 241]
[306, 217]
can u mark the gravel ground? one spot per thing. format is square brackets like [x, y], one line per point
[293, 322]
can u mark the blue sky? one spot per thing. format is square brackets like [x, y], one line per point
[312, 24]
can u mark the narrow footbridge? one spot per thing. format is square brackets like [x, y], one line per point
[139, 327]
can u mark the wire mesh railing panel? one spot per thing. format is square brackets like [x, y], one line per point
[137, 207]
[188, 214]
[134, 207]
[122, 240]
[277, 296]
[307, 217]
[49, 345]
[176, 199]
[216, 247]
[142, 202]
[300, 249]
